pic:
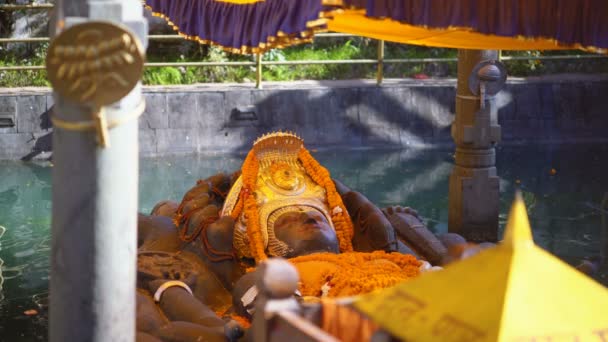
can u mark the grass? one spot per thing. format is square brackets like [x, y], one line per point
[321, 49]
[24, 78]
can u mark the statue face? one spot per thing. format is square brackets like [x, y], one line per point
[306, 231]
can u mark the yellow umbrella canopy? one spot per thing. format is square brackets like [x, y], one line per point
[513, 292]
[480, 24]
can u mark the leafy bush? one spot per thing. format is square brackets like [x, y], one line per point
[322, 49]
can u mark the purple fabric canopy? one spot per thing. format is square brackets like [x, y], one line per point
[583, 22]
[245, 28]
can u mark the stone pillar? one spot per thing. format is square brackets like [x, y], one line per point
[473, 187]
[95, 197]
[276, 281]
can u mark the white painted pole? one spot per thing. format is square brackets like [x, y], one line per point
[94, 225]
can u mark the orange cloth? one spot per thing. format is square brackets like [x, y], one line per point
[346, 323]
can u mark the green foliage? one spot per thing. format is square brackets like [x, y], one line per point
[192, 75]
[321, 49]
[24, 78]
[350, 49]
[163, 76]
[537, 67]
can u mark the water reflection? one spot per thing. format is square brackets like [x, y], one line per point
[2, 230]
[564, 208]
[25, 204]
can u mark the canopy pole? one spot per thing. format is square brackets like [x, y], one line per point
[473, 185]
[380, 71]
[258, 70]
[95, 196]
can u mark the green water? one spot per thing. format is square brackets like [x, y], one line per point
[563, 207]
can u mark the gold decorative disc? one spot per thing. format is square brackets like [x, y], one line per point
[97, 63]
[283, 175]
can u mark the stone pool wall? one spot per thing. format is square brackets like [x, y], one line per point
[354, 114]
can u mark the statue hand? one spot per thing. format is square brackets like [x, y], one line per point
[400, 209]
[414, 234]
[372, 229]
[155, 268]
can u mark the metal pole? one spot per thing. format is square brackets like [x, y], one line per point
[258, 71]
[95, 199]
[309, 62]
[11, 7]
[473, 185]
[380, 71]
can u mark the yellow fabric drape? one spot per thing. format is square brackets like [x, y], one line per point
[355, 22]
[515, 291]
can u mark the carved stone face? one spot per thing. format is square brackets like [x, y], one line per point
[305, 231]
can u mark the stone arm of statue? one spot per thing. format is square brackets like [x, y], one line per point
[177, 299]
[372, 231]
[200, 229]
[189, 245]
[393, 229]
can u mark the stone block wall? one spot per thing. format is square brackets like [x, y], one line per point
[559, 111]
[31, 135]
[328, 114]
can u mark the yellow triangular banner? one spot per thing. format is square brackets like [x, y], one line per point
[513, 292]
[518, 226]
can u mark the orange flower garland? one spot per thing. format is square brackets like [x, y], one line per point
[339, 214]
[247, 201]
[238, 208]
[349, 274]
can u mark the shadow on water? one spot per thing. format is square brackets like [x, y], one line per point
[563, 206]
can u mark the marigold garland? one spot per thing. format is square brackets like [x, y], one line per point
[319, 174]
[254, 230]
[339, 214]
[349, 274]
[238, 208]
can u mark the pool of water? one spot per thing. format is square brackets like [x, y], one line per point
[563, 207]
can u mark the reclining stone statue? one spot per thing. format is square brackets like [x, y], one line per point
[194, 257]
